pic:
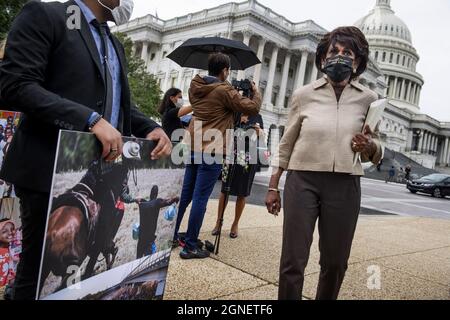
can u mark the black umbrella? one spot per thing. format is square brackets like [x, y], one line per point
[194, 53]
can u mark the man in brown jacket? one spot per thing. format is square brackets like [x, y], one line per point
[214, 102]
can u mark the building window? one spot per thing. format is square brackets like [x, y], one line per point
[391, 58]
[266, 62]
[152, 57]
[404, 60]
[376, 55]
[398, 59]
[409, 62]
[384, 57]
[279, 66]
[164, 54]
[286, 102]
[274, 98]
[291, 73]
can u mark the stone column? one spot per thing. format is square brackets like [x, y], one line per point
[144, 53]
[247, 36]
[314, 73]
[394, 90]
[301, 71]
[408, 94]
[420, 145]
[271, 77]
[411, 96]
[167, 81]
[442, 149]
[426, 144]
[409, 141]
[133, 49]
[433, 141]
[180, 82]
[284, 80]
[387, 86]
[257, 74]
[418, 95]
[402, 92]
[445, 152]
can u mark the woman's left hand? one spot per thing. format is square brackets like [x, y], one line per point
[363, 143]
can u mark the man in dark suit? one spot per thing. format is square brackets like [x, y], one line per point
[64, 70]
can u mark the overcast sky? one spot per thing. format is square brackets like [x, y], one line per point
[429, 22]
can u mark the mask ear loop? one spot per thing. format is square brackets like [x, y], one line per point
[104, 6]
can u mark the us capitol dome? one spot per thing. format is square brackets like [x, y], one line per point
[392, 48]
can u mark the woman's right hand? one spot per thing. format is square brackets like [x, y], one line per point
[273, 202]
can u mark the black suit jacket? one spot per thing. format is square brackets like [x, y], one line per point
[53, 75]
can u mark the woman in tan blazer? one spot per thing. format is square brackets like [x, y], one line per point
[322, 135]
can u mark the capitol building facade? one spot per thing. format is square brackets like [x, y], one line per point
[287, 51]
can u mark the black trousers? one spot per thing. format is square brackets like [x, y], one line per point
[33, 207]
[334, 199]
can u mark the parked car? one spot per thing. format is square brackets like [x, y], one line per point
[438, 185]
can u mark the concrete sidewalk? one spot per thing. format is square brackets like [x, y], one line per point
[412, 255]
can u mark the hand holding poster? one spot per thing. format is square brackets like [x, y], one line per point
[107, 235]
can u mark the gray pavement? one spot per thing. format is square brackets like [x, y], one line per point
[393, 257]
[381, 198]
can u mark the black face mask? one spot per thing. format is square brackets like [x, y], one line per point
[338, 68]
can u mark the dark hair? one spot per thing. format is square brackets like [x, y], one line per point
[351, 38]
[217, 62]
[166, 103]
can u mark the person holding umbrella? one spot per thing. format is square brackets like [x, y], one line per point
[214, 102]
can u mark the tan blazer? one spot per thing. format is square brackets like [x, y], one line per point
[320, 130]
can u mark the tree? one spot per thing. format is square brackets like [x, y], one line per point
[144, 87]
[8, 11]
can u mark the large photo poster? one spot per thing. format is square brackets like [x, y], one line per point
[110, 224]
[10, 224]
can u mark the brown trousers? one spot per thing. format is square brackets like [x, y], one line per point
[334, 199]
